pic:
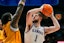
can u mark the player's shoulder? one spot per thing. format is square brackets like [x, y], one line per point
[13, 28]
[8, 25]
[41, 27]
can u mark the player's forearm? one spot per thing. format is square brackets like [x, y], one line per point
[18, 13]
[35, 10]
[55, 22]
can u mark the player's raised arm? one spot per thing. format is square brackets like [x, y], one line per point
[17, 14]
[35, 10]
[29, 18]
[54, 28]
[29, 15]
[28, 22]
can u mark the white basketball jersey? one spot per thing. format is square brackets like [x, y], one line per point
[35, 35]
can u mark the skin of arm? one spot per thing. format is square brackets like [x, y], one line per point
[51, 29]
[16, 17]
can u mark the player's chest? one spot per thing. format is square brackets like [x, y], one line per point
[37, 31]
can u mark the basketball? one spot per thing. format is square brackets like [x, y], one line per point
[47, 9]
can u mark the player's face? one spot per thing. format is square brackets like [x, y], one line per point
[35, 17]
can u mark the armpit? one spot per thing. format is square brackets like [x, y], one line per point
[14, 29]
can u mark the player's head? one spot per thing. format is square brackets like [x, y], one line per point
[0, 24]
[38, 17]
[6, 17]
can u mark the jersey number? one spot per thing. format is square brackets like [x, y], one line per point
[36, 38]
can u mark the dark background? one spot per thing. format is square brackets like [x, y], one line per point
[51, 38]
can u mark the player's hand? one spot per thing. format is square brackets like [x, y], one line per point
[52, 15]
[22, 2]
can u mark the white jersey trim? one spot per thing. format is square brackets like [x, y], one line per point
[14, 29]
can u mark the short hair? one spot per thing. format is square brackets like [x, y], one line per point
[6, 17]
[42, 15]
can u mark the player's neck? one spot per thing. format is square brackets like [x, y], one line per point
[37, 24]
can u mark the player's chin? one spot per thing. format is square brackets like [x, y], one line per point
[35, 21]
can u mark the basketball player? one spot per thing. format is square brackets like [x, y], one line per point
[10, 25]
[34, 32]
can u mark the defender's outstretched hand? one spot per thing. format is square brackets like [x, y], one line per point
[17, 14]
[22, 2]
